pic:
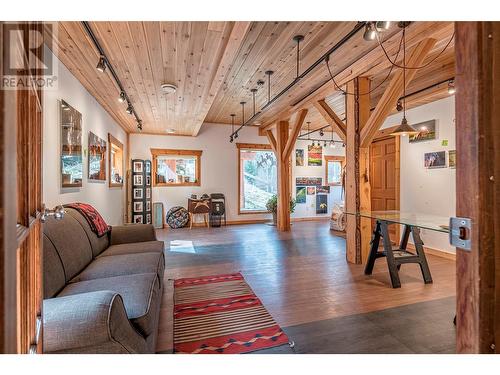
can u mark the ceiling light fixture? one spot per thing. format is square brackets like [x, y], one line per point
[399, 106]
[139, 125]
[171, 131]
[122, 97]
[130, 109]
[383, 25]
[253, 91]
[370, 32]
[168, 88]
[269, 73]
[451, 87]
[101, 65]
[298, 39]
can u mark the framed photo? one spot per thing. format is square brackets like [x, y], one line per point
[426, 132]
[97, 158]
[148, 219]
[322, 189]
[321, 203]
[299, 157]
[300, 194]
[147, 166]
[138, 206]
[138, 194]
[138, 180]
[138, 219]
[452, 159]
[148, 180]
[148, 193]
[308, 181]
[137, 167]
[311, 190]
[148, 206]
[435, 159]
[314, 156]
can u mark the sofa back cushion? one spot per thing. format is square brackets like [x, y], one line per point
[71, 243]
[98, 244]
[54, 278]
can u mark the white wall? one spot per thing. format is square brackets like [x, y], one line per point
[108, 201]
[430, 191]
[219, 168]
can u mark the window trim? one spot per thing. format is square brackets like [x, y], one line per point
[248, 146]
[155, 152]
[329, 158]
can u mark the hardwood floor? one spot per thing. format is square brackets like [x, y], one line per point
[301, 276]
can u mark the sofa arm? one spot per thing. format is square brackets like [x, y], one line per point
[94, 322]
[132, 233]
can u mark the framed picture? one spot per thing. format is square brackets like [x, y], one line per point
[148, 193]
[71, 146]
[138, 206]
[299, 157]
[308, 181]
[115, 162]
[435, 160]
[138, 194]
[314, 156]
[321, 203]
[138, 219]
[300, 194]
[148, 180]
[426, 132]
[452, 158]
[138, 180]
[148, 205]
[322, 189]
[311, 190]
[137, 167]
[97, 158]
[158, 214]
[147, 164]
[148, 218]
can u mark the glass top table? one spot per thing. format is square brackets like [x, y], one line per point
[420, 220]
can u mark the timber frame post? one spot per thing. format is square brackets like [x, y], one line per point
[284, 188]
[358, 198]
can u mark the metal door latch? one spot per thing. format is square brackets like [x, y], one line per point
[460, 232]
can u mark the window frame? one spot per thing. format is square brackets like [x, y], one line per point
[334, 158]
[113, 141]
[244, 147]
[156, 152]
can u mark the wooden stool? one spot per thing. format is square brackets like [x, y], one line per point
[199, 207]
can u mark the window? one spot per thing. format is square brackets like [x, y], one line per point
[115, 162]
[176, 167]
[257, 177]
[334, 166]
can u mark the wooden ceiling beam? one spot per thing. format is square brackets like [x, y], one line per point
[301, 116]
[227, 56]
[394, 90]
[331, 118]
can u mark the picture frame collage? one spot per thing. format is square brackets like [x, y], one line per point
[141, 192]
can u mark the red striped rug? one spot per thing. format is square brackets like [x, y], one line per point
[221, 314]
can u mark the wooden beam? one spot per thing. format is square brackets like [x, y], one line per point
[331, 118]
[226, 58]
[283, 214]
[477, 107]
[358, 197]
[394, 90]
[301, 116]
[272, 141]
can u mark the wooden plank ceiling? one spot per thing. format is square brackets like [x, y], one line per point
[215, 64]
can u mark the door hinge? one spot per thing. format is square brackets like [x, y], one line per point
[460, 232]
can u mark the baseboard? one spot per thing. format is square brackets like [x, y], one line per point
[312, 218]
[260, 221]
[435, 252]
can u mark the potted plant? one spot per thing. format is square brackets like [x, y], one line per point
[272, 206]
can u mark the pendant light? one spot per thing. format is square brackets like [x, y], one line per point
[404, 128]
[332, 143]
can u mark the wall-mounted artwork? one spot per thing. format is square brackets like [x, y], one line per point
[311, 190]
[299, 157]
[115, 162]
[71, 146]
[435, 159]
[137, 166]
[138, 219]
[308, 181]
[138, 206]
[322, 189]
[138, 193]
[321, 203]
[97, 158]
[314, 156]
[452, 158]
[426, 131]
[138, 180]
[300, 195]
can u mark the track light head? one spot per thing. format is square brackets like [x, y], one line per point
[370, 32]
[383, 25]
[451, 87]
[321, 133]
[101, 65]
[130, 109]
[399, 106]
[343, 145]
[324, 144]
[231, 139]
[235, 135]
[260, 82]
[332, 144]
[139, 125]
[122, 97]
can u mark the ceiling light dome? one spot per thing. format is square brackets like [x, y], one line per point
[168, 88]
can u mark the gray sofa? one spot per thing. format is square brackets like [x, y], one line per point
[101, 295]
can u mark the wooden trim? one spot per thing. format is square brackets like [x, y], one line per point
[333, 158]
[297, 126]
[331, 117]
[155, 152]
[113, 141]
[247, 146]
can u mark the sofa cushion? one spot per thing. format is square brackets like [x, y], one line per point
[98, 244]
[70, 242]
[126, 264]
[134, 248]
[53, 270]
[141, 294]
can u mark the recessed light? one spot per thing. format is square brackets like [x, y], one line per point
[171, 131]
[168, 88]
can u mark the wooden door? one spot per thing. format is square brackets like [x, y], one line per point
[21, 247]
[384, 177]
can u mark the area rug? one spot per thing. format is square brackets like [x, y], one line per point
[221, 314]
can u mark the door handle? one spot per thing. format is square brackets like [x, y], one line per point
[57, 212]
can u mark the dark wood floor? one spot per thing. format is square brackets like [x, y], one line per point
[304, 281]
